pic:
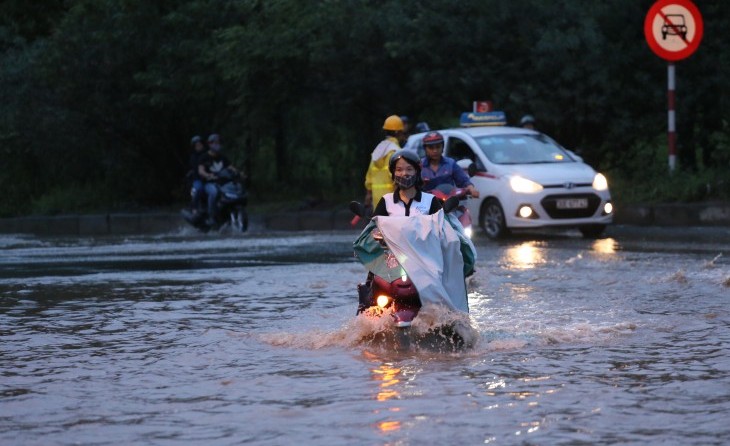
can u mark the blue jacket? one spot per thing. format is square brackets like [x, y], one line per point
[448, 173]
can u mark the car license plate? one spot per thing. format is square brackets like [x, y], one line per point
[572, 203]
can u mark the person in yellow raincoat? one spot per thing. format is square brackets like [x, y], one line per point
[378, 180]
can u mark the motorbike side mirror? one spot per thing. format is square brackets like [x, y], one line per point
[450, 204]
[357, 208]
[468, 166]
[472, 169]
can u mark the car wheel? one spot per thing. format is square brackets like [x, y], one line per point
[491, 219]
[592, 231]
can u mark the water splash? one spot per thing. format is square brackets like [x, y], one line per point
[434, 328]
[712, 263]
[679, 277]
[586, 333]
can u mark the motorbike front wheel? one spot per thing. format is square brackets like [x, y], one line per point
[239, 220]
[403, 339]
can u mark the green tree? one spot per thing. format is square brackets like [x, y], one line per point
[101, 97]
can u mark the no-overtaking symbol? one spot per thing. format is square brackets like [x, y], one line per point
[673, 29]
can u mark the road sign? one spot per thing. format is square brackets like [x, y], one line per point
[482, 106]
[673, 29]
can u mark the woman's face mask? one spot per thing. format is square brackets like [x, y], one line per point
[404, 175]
[405, 181]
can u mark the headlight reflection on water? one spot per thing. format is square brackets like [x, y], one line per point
[524, 256]
[605, 246]
[388, 426]
[388, 378]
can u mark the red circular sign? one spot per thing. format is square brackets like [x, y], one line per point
[673, 29]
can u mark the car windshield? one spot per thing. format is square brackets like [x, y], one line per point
[522, 149]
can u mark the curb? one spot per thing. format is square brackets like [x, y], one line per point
[670, 215]
[690, 214]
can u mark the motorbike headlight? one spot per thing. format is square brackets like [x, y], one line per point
[600, 182]
[524, 186]
[382, 301]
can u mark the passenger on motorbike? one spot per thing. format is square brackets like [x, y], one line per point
[195, 181]
[437, 169]
[210, 165]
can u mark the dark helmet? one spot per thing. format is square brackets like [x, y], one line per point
[527, 119]
[410, 156]
[195, 139]
[214, 138]
[422, 127]
[432, 139]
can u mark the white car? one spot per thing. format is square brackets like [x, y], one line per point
[526, 180]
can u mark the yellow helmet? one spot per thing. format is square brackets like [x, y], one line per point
[393, 123]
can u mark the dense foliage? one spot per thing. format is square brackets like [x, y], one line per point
[100, 97]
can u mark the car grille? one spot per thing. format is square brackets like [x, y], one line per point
[550, 204]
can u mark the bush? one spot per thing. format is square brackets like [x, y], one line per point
[643, 176]
[72, 199]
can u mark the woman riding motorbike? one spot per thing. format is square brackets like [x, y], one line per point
[430, 246]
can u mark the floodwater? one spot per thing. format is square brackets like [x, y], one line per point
[225, 339]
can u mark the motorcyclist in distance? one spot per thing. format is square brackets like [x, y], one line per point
[196, 183]
[438, 169]
[211, 163]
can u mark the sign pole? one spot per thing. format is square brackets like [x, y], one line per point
[673, 30]
[671, 120]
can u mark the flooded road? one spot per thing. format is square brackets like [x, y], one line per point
[189, 339]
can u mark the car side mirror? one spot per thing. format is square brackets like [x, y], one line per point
[468, 165]
[357, 208]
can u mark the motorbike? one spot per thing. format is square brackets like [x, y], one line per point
[415, 263]
[446, 191]
[230, 210]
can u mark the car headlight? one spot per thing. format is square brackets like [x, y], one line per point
[600, 182]
[523, 185]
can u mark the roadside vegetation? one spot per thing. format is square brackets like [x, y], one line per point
[101, 97]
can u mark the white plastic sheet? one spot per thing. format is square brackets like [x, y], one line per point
[428, 249]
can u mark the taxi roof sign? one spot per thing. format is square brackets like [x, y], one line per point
[475, 119]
